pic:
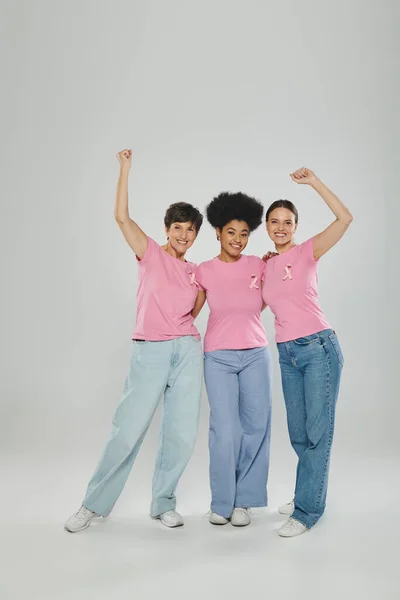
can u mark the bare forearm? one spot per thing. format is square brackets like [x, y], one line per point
[200, 300]
[131, 231]
[121, 210]
[340, 211]
[325, 240]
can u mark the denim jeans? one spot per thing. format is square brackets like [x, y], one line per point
[311, 368]
[238, 385]
[174, 369]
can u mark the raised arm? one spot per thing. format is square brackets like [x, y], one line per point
[325, 240]
[198, 305]
[135, 237]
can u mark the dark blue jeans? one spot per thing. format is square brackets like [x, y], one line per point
[311, 368]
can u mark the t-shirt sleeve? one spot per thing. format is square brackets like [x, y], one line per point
[259, 267]
[264, 270]
[199, 274]
[307, 250]
[150, 254]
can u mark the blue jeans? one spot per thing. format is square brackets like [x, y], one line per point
[173, 369]
[311, 368]
[238, 385]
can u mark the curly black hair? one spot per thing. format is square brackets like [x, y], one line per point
[228, 207]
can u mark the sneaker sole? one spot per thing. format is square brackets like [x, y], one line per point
[78, 530]
[218, 524]
[240, 524]
[290, 536]
[169, 526]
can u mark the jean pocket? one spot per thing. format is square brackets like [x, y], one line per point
[308, 339]
[335, 343]
[141, 342]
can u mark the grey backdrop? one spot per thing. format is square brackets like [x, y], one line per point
[211, 96]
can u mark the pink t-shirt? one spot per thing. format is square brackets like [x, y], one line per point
[235, 301]
[166, 295]
[290, 290]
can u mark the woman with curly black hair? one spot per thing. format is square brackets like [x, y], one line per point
[237, 363]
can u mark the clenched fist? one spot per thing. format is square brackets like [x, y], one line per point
[125, 158]
[303, 175]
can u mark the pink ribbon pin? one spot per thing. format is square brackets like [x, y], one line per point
[288, 271]
[192, 279]
[253, 283]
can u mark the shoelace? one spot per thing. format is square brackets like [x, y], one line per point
[292, 522]
[245, 510]
[83, 512]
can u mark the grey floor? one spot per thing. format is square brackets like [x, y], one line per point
[351, 553]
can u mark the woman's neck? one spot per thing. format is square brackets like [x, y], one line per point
[170, 250]
[228, 258]
[282, 248]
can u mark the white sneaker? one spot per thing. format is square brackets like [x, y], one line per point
[240, 517]
[171, 518]
[291, 528]
[80, 520]
[217, 519]
[287, 509]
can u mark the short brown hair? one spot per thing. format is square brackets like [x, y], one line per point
[182, 212]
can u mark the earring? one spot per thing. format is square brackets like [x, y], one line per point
[218, 238]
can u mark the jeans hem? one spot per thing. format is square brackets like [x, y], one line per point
[302, 520]
[251, 505]
[222, 513]
[156, 513]
[100, 513]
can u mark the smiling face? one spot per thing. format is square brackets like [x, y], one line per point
[181, 236]
[234, 237]
[281, 226]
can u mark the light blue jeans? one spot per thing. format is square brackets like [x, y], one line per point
[311, 368]
[238, 385]
[174, 369]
